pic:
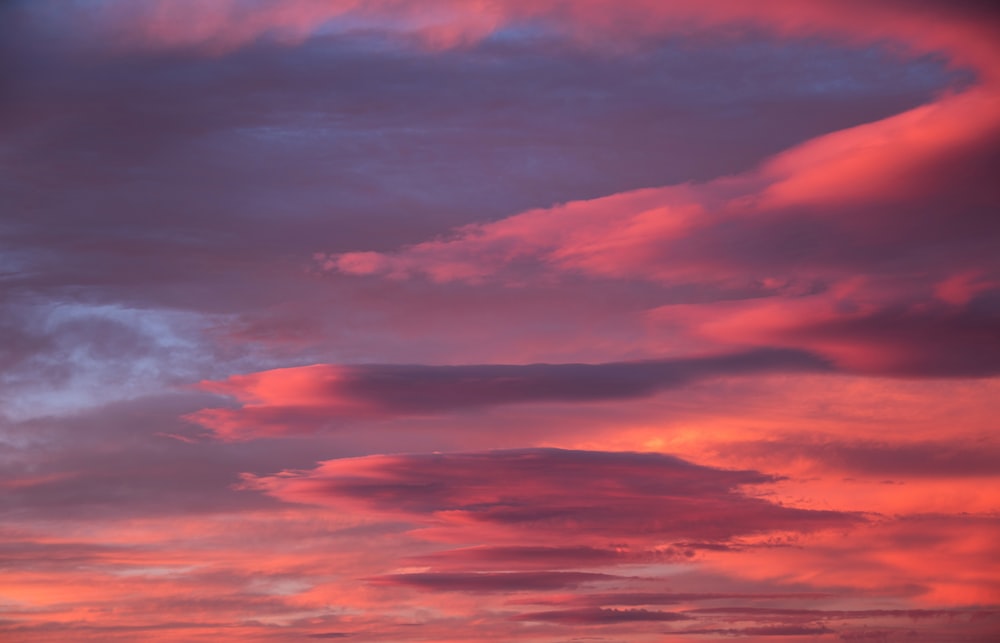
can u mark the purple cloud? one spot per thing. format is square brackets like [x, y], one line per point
[598, 616]
[541, 494]
[305, 399]
[493, 581]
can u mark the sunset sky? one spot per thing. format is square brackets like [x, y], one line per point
[531, 321]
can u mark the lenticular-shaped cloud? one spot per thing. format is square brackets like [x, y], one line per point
[487, 582]
[541, 494]
[600, 616]
[305, 399]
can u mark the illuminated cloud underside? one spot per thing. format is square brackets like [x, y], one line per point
[518, 320]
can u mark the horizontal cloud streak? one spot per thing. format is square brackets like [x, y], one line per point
[493, 581]
[962, 28]
[541, 494]
[909, 332]
[305, 399]
[602, 616]
[913, 460]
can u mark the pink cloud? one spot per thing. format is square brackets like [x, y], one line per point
[600, 616]
[505, 582]
[731, 229]
[813, 338]
[537, 495]
[862, 327]
[306, 399]
[962, 28]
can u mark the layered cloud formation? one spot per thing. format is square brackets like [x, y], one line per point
[309, 398]
[569, 494]
[514, 320]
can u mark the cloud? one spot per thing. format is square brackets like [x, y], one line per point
[121, 460]
[781, 630]
[131, 161]
[901, 201]
[602, 616]
[708, 227]
[229, 24]
[258, 116]
[493, 581]
[537, 495]
[837, 204]
[921, 459]
[864, 327]
[766, 631]
[836, 614]
[945, 556]
[667, 598]
[800, 622]
[305, 399]
[525, 557]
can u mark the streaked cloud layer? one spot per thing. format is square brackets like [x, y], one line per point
[520, 321]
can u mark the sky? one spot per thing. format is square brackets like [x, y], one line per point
[535, 321]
